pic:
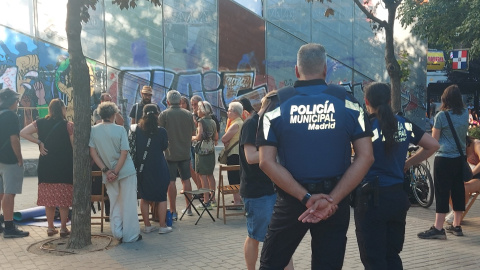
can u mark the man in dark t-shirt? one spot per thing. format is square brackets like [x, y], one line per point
[137, 109]
[11, 162]
[256, 189]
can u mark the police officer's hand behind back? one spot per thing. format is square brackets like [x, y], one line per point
[319, 207]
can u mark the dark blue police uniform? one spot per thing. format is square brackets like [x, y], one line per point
[380, 225]
[312, 126]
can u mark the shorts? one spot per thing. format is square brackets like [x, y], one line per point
[182, 167]
[258, 212]
[11, 178]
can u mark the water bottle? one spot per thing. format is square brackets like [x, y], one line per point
[169, 220]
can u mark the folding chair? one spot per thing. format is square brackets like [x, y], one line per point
[225, 190]
[99, 198]
[470, 203]
[197, 194]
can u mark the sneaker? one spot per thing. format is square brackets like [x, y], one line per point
[457, 230]
[188, 212]
[175, 216]
[207, 205]
[149, 229]
[213, 203]
[433, 233]
[449, 218]
[164, 230]
[14, 233]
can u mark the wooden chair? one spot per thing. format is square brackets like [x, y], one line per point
[470, 203]
[225, 190]
[99, 198]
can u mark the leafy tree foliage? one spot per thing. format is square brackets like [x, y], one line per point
[447, 24]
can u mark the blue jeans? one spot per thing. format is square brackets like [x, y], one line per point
[258, 212]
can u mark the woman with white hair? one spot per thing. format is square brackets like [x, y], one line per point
[109, 149]
[206, 138]
[230, 141]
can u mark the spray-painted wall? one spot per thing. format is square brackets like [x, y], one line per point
[214, 48]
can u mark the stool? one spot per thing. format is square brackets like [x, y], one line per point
[228, 189]
[99, 198]
[197, 194]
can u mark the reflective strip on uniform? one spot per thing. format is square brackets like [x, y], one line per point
[267, 118]
[409, 127]
[356, 107]
[375, 135]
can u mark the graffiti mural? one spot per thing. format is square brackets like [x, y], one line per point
[39, 72]
[218, 88]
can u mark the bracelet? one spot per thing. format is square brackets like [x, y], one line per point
[39, 142]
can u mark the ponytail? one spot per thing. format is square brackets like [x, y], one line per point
[378, 95]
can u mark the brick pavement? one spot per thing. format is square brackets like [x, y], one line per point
[213, 245]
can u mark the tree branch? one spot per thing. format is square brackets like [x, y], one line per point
[369, 15]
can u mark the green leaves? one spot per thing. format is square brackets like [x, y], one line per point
[449, 24]
[126, 4]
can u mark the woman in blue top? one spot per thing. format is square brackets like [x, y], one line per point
[380, 220]
[448, 172]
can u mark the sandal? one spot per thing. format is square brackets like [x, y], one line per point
[64, 233]
[52, 231]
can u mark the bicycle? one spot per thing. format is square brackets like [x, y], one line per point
[419, 181]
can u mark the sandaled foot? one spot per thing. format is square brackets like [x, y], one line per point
[64, 233]
[52, 231]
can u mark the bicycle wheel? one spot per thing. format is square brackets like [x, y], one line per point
[422, 186]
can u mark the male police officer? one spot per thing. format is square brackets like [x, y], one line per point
[310, 126]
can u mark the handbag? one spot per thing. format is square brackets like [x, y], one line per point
[206, 146]
[222, 157]
[466, 170]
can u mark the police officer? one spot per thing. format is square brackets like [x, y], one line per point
[310, 127]
[380, 219]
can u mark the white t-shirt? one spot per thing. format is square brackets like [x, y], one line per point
[109, 140]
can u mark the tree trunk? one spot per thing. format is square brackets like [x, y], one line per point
[393, 68]
[82, 184]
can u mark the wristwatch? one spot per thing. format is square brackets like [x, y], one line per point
[105, 169]
[306, 198]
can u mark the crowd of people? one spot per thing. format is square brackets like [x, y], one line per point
[284, 192]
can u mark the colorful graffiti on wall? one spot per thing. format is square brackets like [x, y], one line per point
[40, 72]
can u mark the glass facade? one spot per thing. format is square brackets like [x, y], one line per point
[221, 50]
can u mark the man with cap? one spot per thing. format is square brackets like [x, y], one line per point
[137, 110]
[11, 162]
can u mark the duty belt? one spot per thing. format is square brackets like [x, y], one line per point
[324, 185]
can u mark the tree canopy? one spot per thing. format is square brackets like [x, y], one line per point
[446, 24]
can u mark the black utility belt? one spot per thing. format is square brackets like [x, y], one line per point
[324, 185]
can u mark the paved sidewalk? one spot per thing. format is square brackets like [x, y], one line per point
[213, 245]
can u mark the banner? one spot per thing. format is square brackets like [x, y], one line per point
[435, 60]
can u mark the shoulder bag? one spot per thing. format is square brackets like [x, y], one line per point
[205, 146]
[142, 164]
[222, 157]
[466, 170]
